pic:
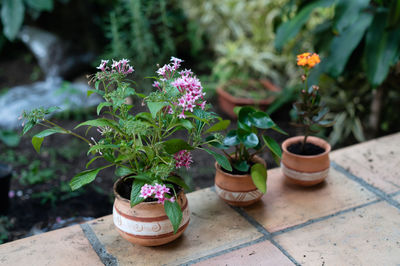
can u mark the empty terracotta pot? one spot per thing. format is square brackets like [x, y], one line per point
[147, 224]
[237, 190]
[305, 170]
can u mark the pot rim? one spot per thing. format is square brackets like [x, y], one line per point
[219, 169]
[310, 139]
[119, 197]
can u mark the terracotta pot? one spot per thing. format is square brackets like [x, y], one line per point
[147, 224]
[227, 101]
[237, 190]
[305, 170]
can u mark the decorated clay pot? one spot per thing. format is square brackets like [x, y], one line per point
[147, 224]
[237, 190]
[227, 102]
[305, 170]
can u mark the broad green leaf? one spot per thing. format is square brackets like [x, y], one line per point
[259, 177]
[178, 181]
[174, 213]
[101, 105]
[89, 92]
[221, 160]
[231, 138]
[382, 48]
[145, 177]
[28, 126]
[358, 130]
[347, 12]
[172, 146]
[273, 146]
[261, 120]
[10, 138]
[12, 16]
[135, 192]
[123, 171]
[83, 178]
[38, 138]
[236, 109]
[278, 129]
[186, 124]
[244, 115]
[155, 107]
[394, 14]
[221, 125]
[242, 166]
[343, 45]
[249, 139]
[288, 30]
[40, 5]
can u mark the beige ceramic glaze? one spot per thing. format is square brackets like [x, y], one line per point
[227, 102]
[147, 224]
[305, 170]
[237, 190]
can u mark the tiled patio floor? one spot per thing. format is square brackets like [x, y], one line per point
[353, 218]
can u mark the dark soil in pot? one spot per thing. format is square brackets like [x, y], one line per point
[310, 149]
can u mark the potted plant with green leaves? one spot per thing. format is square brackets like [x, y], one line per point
[150, 207]
[240, 179]
[305, 159]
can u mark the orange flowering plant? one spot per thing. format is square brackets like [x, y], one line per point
[310, 111]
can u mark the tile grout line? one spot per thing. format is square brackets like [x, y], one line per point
[394, 194]
[384, 196]
[98, 247]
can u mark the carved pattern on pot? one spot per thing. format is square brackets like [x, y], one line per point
[238, 196]
[304, 176]
[156, 227]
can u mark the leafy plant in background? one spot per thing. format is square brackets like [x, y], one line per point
[13, 13]
[361, 36]
[141, 145]
[241, 33]
[5, 226]
[249, 140]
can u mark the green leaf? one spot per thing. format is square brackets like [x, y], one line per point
[101, 105]
[261, 120]
[100, 122]
[92, 160]
[10, 138]
[123, 171]
[135, 192]
[347, 12]
[343, 45]
[231, 138]
[278, 129]
[96, 147]
[242, 166]
[221, 160]
[174, 213]
[178, 181]
[382, 48]
[172, 146]
[155, 107]
[236, 109]
[40, 5]
[38, 138]
[244, 115]
[12, 16]
[358, 130]
[145, 177]
[221, 125]
[273, 146]
[288, 30]
[28, 126]
[83, 178]
[259, 177]
[249, 139]
[186, 124]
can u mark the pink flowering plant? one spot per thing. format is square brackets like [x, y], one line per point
[146, 147]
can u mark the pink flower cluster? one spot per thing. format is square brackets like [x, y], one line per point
[120, 66]
[183, 158]
[158, 191]
[168, 71]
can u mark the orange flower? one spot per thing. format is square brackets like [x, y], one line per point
[308, 60]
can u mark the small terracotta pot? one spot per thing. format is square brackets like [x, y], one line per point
[305, 170]
[147, 224]
[237, 190]
[227, 101]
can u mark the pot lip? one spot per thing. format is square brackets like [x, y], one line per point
[119, 197]
[218, 168]
[310, 139]
[248, 101]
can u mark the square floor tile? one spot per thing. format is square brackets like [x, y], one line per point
[366, 236]
[376, 161]
[67, 246]
[213, 227]
[286, 205]
[264, 253]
